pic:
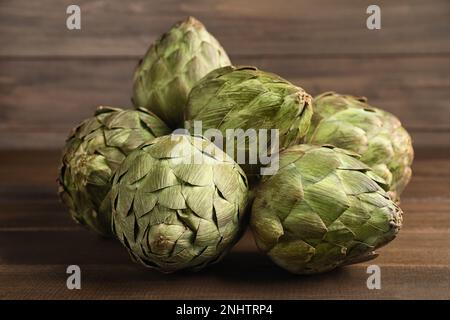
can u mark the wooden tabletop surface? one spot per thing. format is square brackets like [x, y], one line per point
[38, 241]
[51, 78]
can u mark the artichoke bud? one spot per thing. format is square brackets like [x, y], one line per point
[93, 151]
[249, 102]
[172, 213]
[172, 66]
[322, 209]
[378, 136]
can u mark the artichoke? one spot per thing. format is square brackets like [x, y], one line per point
[93, 151]
[323, 209]
[378, 136]
[171, 67]
[249, 99]
[178, 203]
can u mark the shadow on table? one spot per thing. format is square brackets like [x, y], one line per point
[252, 266]
[238, 267]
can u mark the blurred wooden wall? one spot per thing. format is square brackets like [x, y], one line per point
[51, 78]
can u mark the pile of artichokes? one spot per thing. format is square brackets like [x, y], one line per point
[176, 200]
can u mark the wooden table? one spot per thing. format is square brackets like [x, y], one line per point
[38, 241]
[51, 78]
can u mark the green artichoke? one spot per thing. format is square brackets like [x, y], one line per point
[178, 203]
[172, 66]
[378, 136]
[323, 209]
[93, 151]
[249, 99]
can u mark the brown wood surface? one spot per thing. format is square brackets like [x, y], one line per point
[51, 78]
[41, 100]
[251, 27]
[38, 240]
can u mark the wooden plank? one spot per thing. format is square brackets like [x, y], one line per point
[20, 138]
[411, 267]
[42, 213]
[29, 168]
[32, 174]
[117, 28]
[39, 242]
[48, 214]
[233, 279]
[437, 188]
[41, 100]
[28, 199]
[428, 215]
[34, 214]
[422, 166]
[59, 247]
[412, 247]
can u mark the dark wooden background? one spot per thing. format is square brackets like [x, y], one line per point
[51, 78]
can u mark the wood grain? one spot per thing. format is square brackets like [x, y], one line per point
[35, 175]
[253, 27]
[51, 78]
[41, 100]
[30, 247]
[28, 214]
[225, 281]
[39, 241]
[35, 266]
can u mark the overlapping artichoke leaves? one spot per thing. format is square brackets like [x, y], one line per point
[172, 66]
[378, 136]
[249, 99]
[92, 153]
[324, 208]
[172, 213]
